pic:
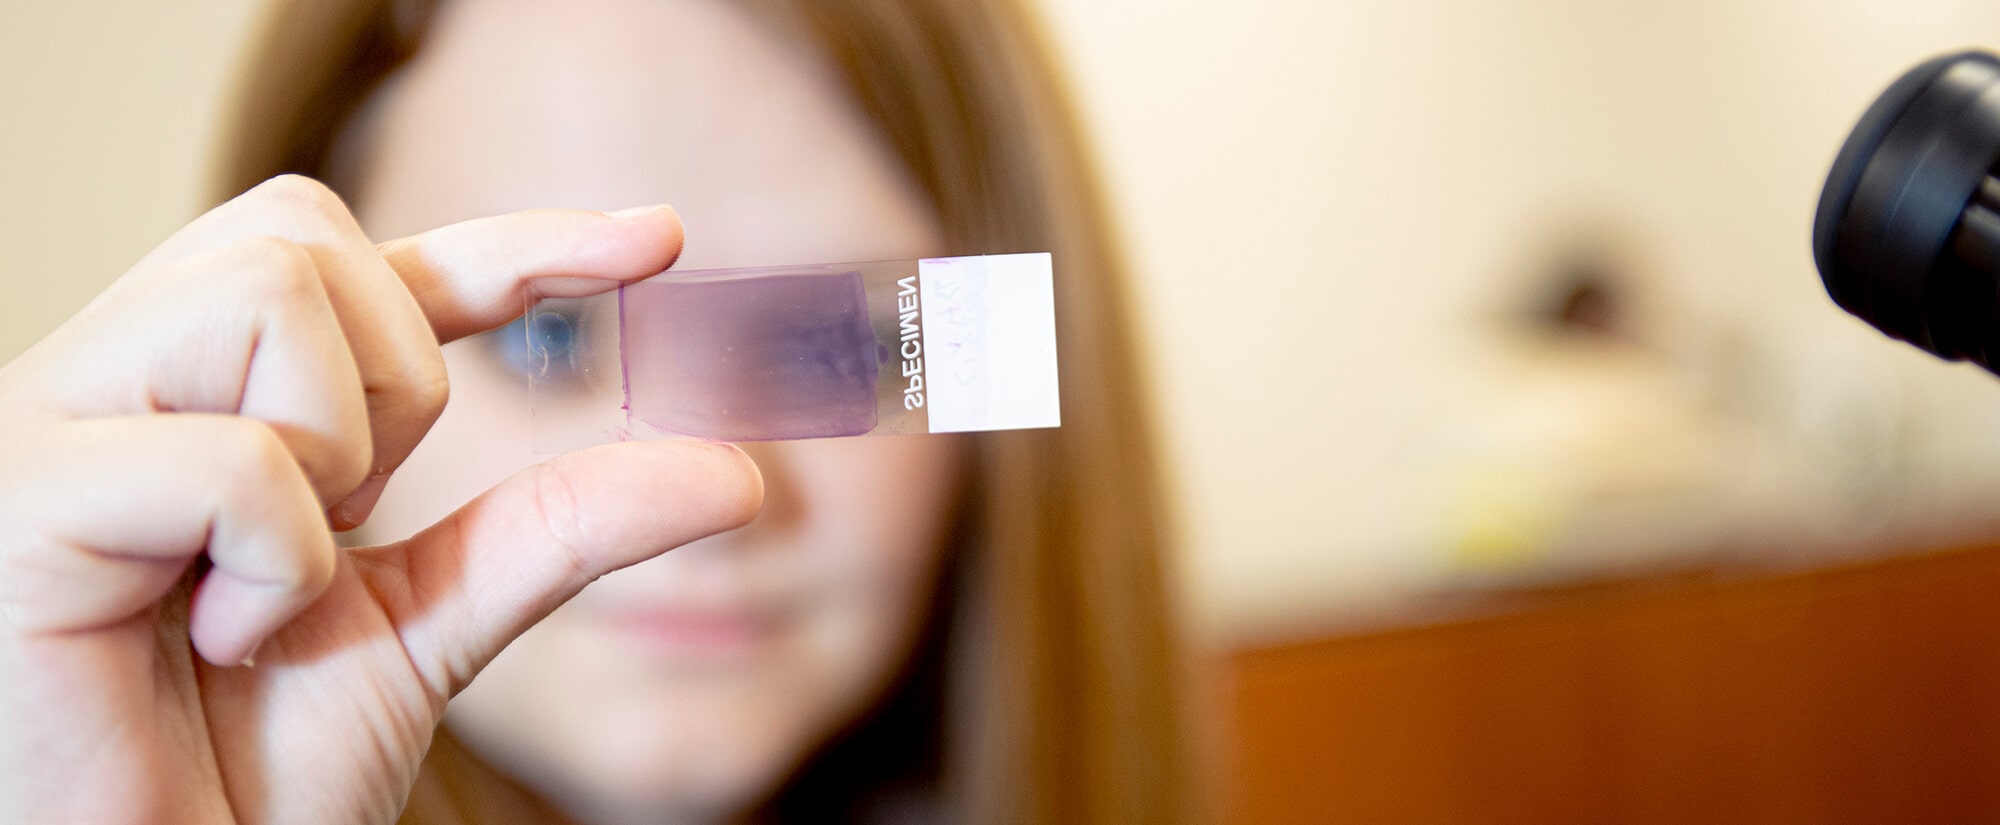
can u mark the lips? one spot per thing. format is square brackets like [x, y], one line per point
[694, 634]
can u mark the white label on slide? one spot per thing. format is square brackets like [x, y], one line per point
[990, 342]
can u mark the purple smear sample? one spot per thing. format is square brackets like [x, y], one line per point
[751, 358]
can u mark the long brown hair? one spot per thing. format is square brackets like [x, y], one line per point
[1051, 688]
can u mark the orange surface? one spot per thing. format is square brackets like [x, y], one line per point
[1867, 695]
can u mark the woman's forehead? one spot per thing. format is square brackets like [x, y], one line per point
[611, 103]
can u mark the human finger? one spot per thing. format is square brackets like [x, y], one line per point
[470, 277]
[245, 328]
[402, 373]
[102, 516]
[480, 577]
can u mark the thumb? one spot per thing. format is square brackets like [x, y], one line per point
[471, 583]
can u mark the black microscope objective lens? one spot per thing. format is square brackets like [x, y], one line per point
[1908, 231]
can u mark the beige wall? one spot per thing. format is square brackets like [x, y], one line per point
[1332, 201]
[1330, 204]
[105, 108]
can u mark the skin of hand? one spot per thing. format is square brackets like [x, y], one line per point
[180, 638]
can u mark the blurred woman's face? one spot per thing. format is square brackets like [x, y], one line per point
[689, 686]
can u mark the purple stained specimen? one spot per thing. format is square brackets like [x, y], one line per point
[751, 358]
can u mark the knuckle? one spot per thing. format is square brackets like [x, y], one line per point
[259, 459]
[272, 252]
[413, 386]
[298, 192]
[256, 457]
[277, 271]
[425, 387]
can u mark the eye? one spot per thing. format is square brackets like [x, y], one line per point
[541, 345]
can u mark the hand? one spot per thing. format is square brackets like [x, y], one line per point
[173, 462]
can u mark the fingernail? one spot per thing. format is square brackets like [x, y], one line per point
[637, 211]
[251, 660]
[351, 512]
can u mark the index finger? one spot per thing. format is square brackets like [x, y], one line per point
[468, 277]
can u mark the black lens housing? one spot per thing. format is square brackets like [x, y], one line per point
[1908, 231]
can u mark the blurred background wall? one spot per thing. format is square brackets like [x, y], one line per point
[1359, 222]
[1439, 294]
[106, 109]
